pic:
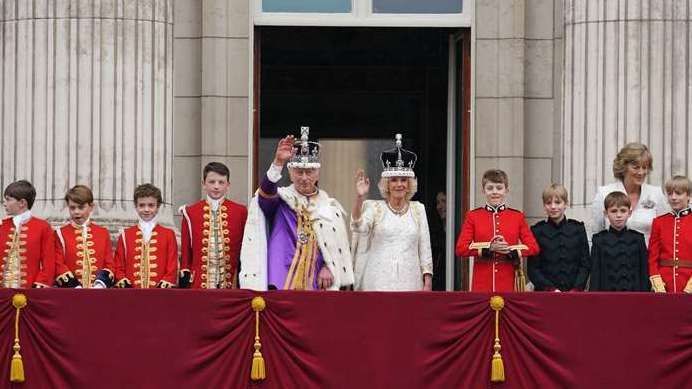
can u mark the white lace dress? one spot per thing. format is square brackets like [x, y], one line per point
[392, 252]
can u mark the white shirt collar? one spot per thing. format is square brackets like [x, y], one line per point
[214, 203]
[82, 226]
[147, 227]
[22, 218]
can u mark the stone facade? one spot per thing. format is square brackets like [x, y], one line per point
[628, 78]
[87, 97]
[211, 94]
[518, 86]
[116, 92]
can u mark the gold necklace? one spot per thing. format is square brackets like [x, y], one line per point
[399, 212]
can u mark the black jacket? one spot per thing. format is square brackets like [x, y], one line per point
[619, 261]
[564, 259]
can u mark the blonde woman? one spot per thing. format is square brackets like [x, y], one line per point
[391, 240]
[630, 168]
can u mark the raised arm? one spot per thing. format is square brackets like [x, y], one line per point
[268, 198]
[362, 184]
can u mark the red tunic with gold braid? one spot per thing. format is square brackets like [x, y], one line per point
[27, 257]
[83, 254]
[670, 250]
[493, 272]
[142, 264]
[211, 244]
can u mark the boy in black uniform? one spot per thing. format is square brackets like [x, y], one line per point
[618, 255]
[563, 263]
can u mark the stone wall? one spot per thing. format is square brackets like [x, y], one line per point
[87, 98]
[518, 80]
[628, 77]
[211, 94]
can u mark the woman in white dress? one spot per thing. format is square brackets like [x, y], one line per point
[630, 167]
[391, 240]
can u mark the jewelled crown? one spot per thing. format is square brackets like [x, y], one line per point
[306, 154]
[398, 162]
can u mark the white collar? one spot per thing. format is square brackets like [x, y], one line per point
[82, 227]
[214, 203]
[22, 218]
[147, 227]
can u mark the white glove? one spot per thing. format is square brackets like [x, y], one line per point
[98, 284]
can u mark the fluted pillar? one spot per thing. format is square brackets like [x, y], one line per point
[86, 90]
[627, 78]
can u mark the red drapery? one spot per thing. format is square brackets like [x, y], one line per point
[199, 339]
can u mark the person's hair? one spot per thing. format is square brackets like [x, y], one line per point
[218, 168]
[678, 184]
[495, 175]
[80, 194]
[629, 154]
[383, 186]
[21, 190]
[616, 199]
[148, 190]
[555, 190]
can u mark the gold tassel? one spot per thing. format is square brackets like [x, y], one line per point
[519, 275]
[17, 366]
[259, 371]
[497, 371]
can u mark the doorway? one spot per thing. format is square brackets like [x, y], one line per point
[355, 88]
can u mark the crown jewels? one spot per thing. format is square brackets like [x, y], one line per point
[306, 154]
[398, 162]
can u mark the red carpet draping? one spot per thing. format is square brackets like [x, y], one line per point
[197, 339]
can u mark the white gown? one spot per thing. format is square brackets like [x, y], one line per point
[392, 252]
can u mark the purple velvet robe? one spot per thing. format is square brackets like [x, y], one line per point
[281, 245]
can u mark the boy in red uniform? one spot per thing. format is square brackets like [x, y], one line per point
[27, 258]
[212, 232]
[147, 253]
[498, 237]
[670, 246]
[83, 250]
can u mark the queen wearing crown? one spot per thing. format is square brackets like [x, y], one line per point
[391, 240]
[295, 237]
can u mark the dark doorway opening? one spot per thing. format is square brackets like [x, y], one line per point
[359, 85]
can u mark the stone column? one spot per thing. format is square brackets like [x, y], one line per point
[225, 87]
[627, 78]
[518, 79]
[86, 90]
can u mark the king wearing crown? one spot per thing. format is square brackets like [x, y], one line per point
[296, 236]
